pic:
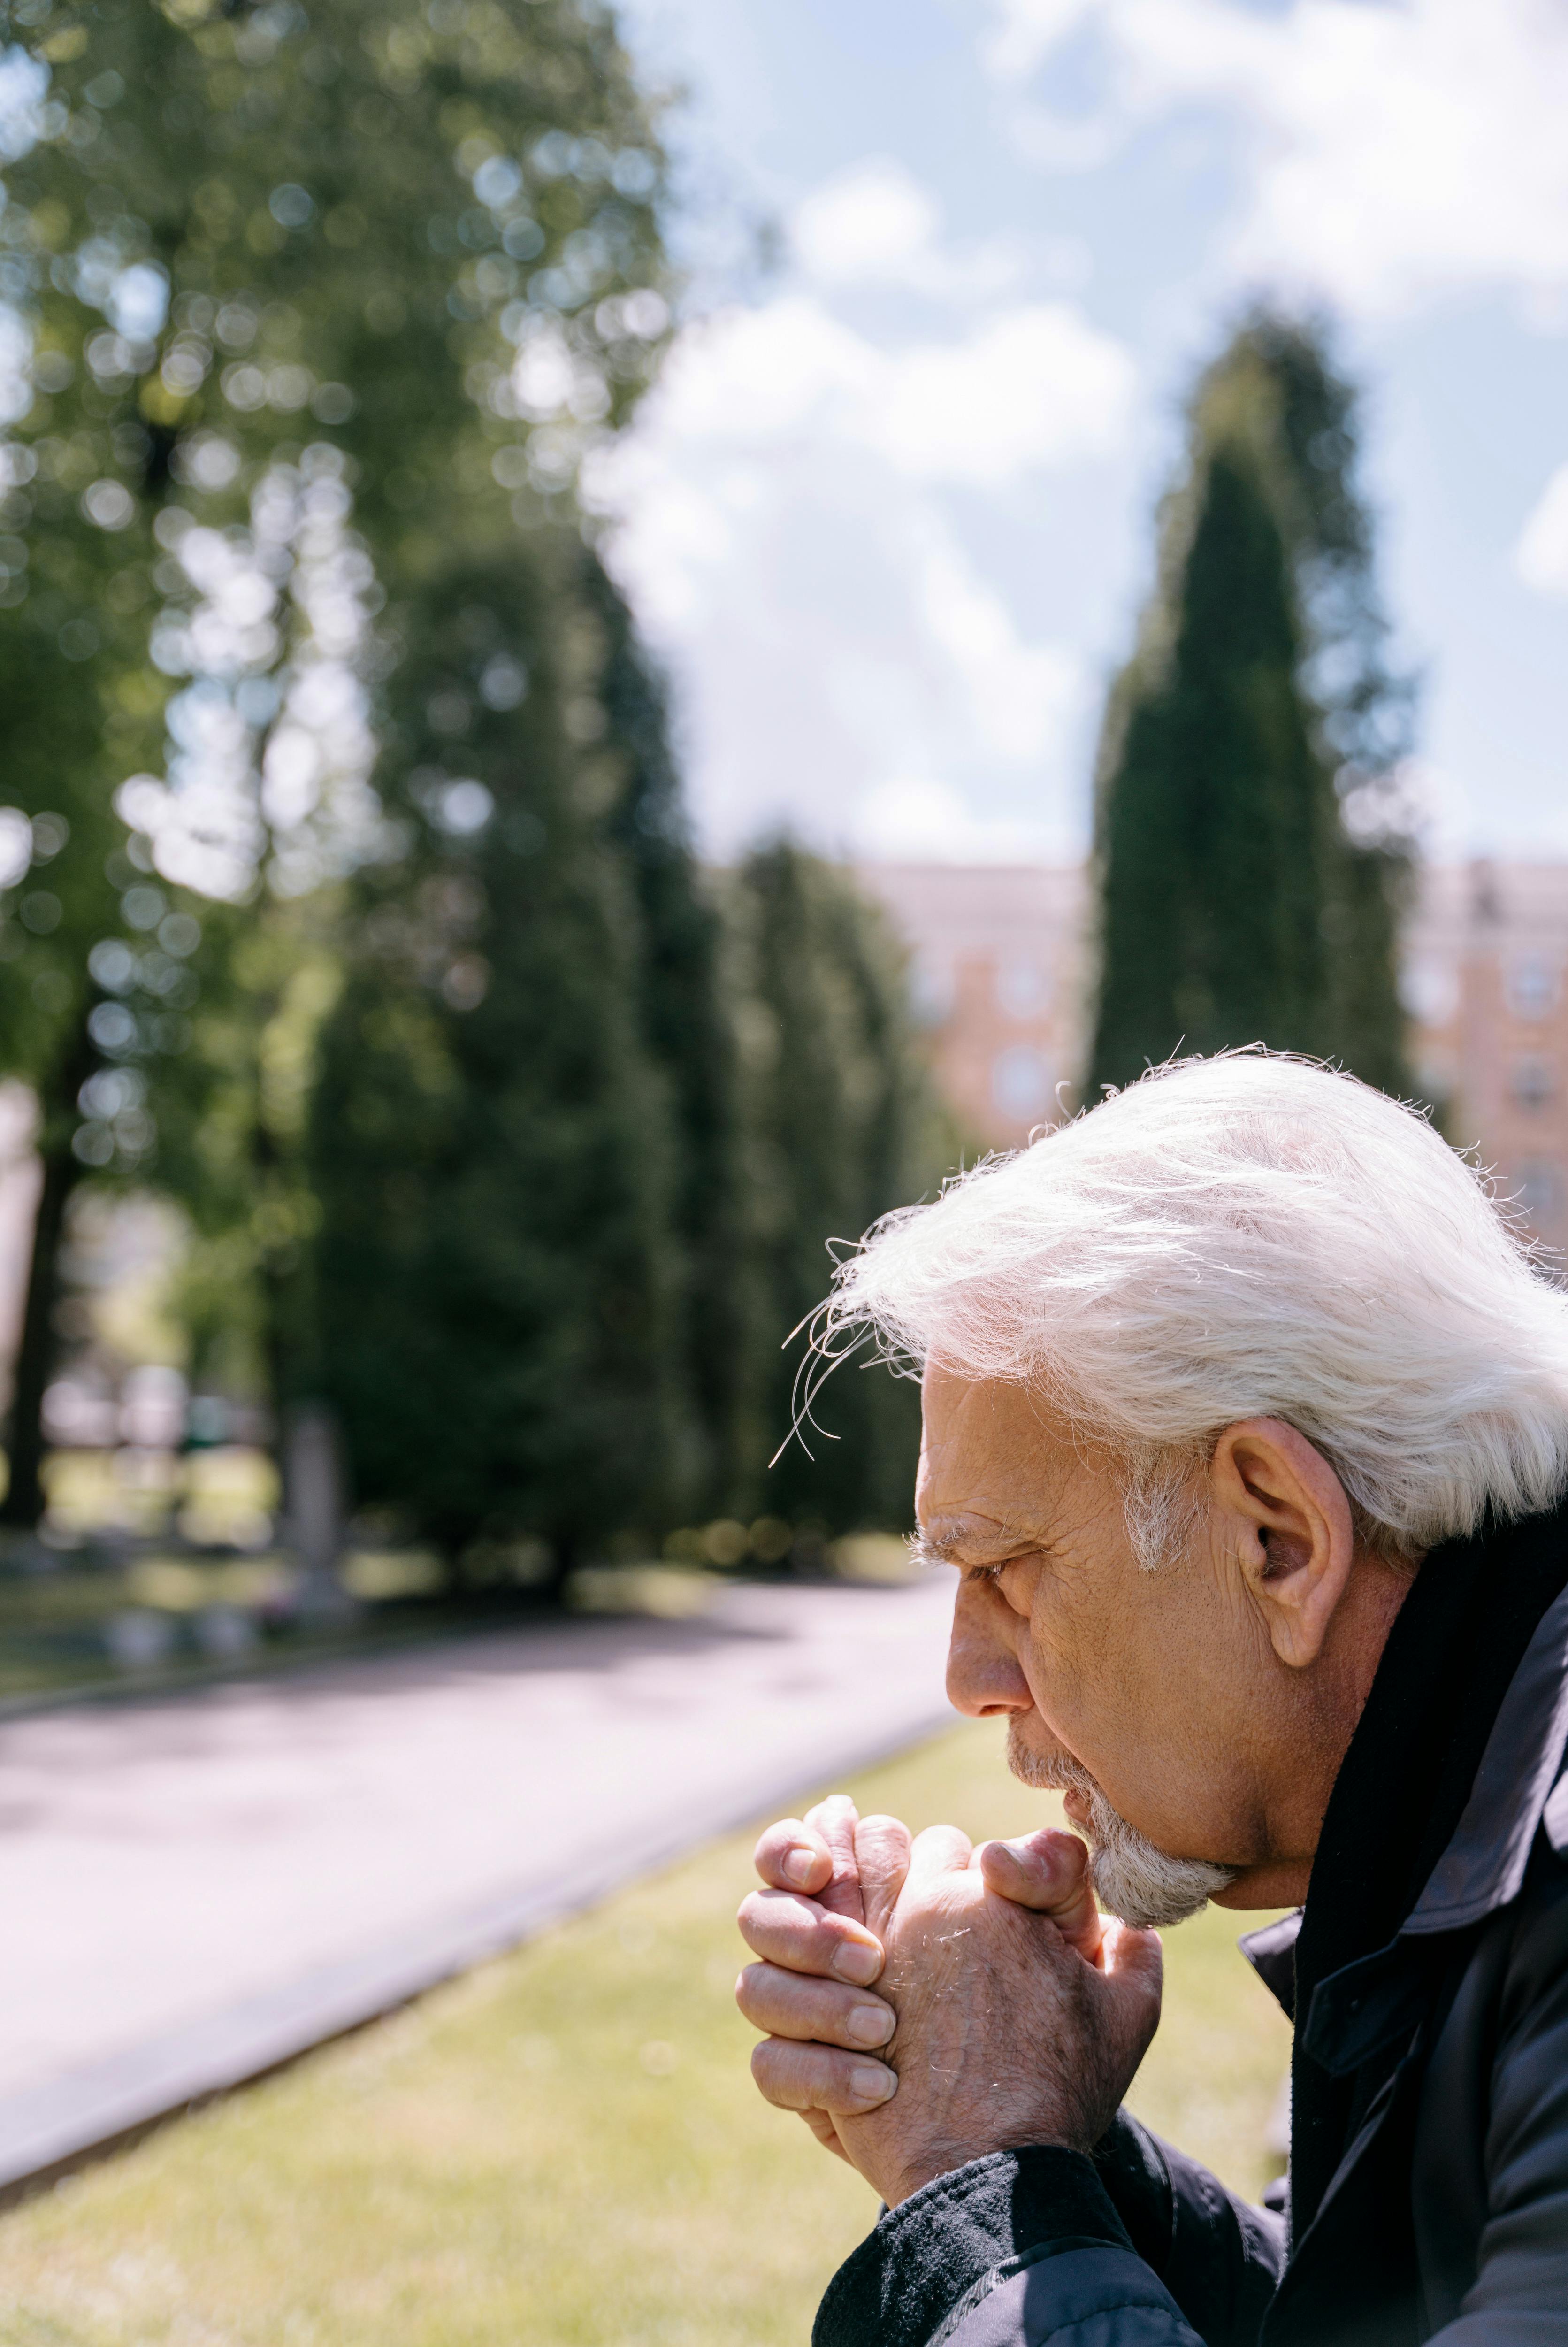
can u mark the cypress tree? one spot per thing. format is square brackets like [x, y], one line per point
[842, 1126]
[1249, 844]
[687, 1028]
[492, 1146]
[1365, 713]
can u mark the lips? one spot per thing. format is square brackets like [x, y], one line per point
[1076, 1804]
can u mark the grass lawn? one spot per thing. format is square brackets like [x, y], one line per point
[563, 2147]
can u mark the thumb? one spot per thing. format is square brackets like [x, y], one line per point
[1048, 1871]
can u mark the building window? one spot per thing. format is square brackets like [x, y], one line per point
[930, 989]
[1532, 1085]
[1429, 988]
[1021, 1084]
[1538, 1190]
[1531, 987]
[1023, 989]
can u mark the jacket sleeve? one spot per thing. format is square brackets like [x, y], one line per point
[1520, 2293]
[1025, 2247]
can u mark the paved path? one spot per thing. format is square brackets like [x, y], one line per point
[194, 1888]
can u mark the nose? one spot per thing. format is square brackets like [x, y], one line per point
[984, 1679]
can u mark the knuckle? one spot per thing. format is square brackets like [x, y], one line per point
[769, 1916]
[774, 2063]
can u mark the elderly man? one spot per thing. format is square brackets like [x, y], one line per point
[1246, 1424]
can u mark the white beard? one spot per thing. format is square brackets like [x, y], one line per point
[1142, 1884]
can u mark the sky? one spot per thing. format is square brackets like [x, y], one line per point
[887, 519]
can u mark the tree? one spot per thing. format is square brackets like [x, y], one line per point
[1249, 842]
[841, 1127]
[93, 954]
[492, 1145]
[688, 1028]
[357, 281]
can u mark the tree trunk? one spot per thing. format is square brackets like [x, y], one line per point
[23, 1500]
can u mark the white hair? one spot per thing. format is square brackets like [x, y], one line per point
[1249, 1236]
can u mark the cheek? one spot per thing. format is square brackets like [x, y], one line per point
[1100, 1676]
[1133, 1691]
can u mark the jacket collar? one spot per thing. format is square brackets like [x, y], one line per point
[1484, 1866]
[1520, 1787]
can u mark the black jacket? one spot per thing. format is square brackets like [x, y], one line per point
[1443, 2212]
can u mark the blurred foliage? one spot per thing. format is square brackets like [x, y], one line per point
[492, 1142]
[842, 1124]
[579, 1145]
[1253, 850]
[249, 256]
[689, 1027]
[384, 948]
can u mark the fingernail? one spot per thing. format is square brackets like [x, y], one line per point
[797, 1867]
[870, 2025]
[872, 2083]
[854, 1962]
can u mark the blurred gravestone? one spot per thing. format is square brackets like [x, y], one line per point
[314, 1507]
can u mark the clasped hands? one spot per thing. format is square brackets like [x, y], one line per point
[1007, 2010]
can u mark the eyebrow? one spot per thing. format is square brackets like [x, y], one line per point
[925, 1550]
[948, 1548]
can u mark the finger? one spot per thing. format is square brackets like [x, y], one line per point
[820, 2079]
[834, 1820]
[940, 1849]
[1048, 1871]
[803, 1937]
[790, 1856]
[822, 2126]
[882, 1847]
[792, 2004]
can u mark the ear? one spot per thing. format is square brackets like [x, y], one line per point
[1289, 1520]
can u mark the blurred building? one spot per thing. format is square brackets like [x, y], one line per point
[1002, 974]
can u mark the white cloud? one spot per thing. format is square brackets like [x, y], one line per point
[786, 533]
[1026, 31]
[1394, 153]
[911, 819]
[1541, 557]
[1034, 385]
[873, 222]
[877, 224]
[1021, 694]
[1029, 387]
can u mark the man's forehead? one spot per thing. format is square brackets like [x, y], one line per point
[992, 1421]
[993, 1462]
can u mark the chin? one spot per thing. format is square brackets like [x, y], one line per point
[1278, 1882]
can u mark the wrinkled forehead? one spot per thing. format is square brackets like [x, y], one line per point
[991, 1451]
